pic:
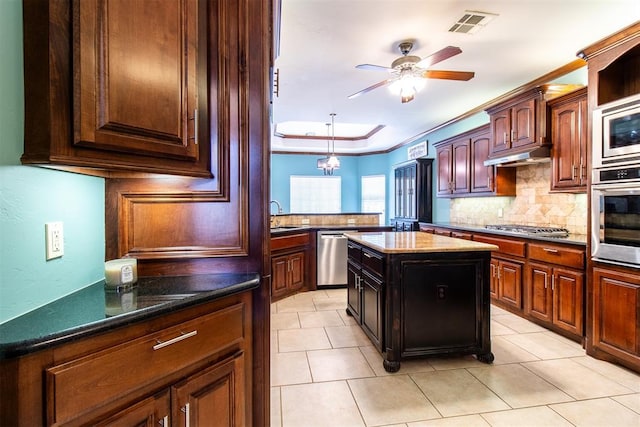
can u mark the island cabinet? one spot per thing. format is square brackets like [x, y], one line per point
[554, 287]
[461, 171]
[425, 294]
[119, 86]
[365, 287]
[290, 260]
[189, 367]
[569, 142]
[507, 270]
[413, 193]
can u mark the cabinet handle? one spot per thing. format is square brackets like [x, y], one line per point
[583, 170]
[195, 126]
[551, 251]
[164, 422]
[574, 172]
[499, 268]
[506, 138]
[553, 283]
[366, 254]
[513, 135]
[184, 336]
[185, 409]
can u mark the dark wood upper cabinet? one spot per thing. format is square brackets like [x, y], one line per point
[461, 170]
[137, 77]
[569, 167]
[117, 86]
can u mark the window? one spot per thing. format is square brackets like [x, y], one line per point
[315, 194]
[373, 195]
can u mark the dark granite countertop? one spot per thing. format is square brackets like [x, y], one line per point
[571, 239]
[97, 309]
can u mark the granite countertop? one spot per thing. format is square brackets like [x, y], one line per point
[572, 238]
[97, 309]
[280, 230]
[416, 242]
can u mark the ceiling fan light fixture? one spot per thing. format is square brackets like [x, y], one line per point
[407, 86]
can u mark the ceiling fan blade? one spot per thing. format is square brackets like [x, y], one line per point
[448, 75]
[373, 67]
[370, 88]
[439, 56]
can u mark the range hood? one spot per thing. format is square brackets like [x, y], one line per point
[534, 155]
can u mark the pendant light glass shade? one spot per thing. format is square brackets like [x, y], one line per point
[331, 162]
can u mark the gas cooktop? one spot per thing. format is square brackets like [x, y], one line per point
[530, 230]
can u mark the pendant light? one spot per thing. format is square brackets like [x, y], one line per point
[331, 162]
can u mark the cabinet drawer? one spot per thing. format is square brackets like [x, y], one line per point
[84, 384]
[557, 255]
[462, 235]
[373, 262]
[506, 246]
[291, 241]
[354, 252]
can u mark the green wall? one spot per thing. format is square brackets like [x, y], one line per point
[32, 196]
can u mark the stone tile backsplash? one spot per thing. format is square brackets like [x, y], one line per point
[533, 204]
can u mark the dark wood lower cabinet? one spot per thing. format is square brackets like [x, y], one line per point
[211, 397]
[191, 367]
[615, 331]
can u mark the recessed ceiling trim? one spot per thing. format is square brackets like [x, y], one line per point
[368, 135]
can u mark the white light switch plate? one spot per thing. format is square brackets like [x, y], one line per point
[54, 239]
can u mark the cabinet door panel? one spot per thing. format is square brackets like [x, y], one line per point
[279, 275]
[461, 167]
[150, 412]
[540, 298]
[213, 397]
[372, 307]
[481, 175]
[444, 159]
[567, 299]
[523, 123]
[616, 299]
[510, 290]
[353, 290]
[296, 270]
[137, 69]
[500, 131]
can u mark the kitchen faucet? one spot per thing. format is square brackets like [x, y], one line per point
[278, 205]
[275, 221]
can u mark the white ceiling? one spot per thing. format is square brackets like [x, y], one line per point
[321, 42]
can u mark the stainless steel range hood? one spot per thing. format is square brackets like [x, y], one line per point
[534, 155]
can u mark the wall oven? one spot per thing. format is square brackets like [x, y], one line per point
[616, 133]
[615, 215]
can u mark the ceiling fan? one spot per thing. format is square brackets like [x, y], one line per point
[410, 71]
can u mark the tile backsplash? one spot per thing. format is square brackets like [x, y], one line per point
[533, 204]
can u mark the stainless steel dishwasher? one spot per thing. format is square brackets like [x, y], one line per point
[332, 258]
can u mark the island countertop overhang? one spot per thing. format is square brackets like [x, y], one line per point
[416, 242]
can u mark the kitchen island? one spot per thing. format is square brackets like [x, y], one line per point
[418, 294]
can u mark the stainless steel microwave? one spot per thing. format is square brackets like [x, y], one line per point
[616, 133]
[615, 216]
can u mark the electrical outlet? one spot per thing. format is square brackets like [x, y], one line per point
[351, 221]
[304, 221]
[500, 212]
[54, 238]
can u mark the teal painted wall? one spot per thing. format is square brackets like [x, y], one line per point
[354, 167]
[32, 196]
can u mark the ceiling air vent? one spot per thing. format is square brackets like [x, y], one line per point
[472, 21]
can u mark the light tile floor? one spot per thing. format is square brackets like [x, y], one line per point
[325, 372]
